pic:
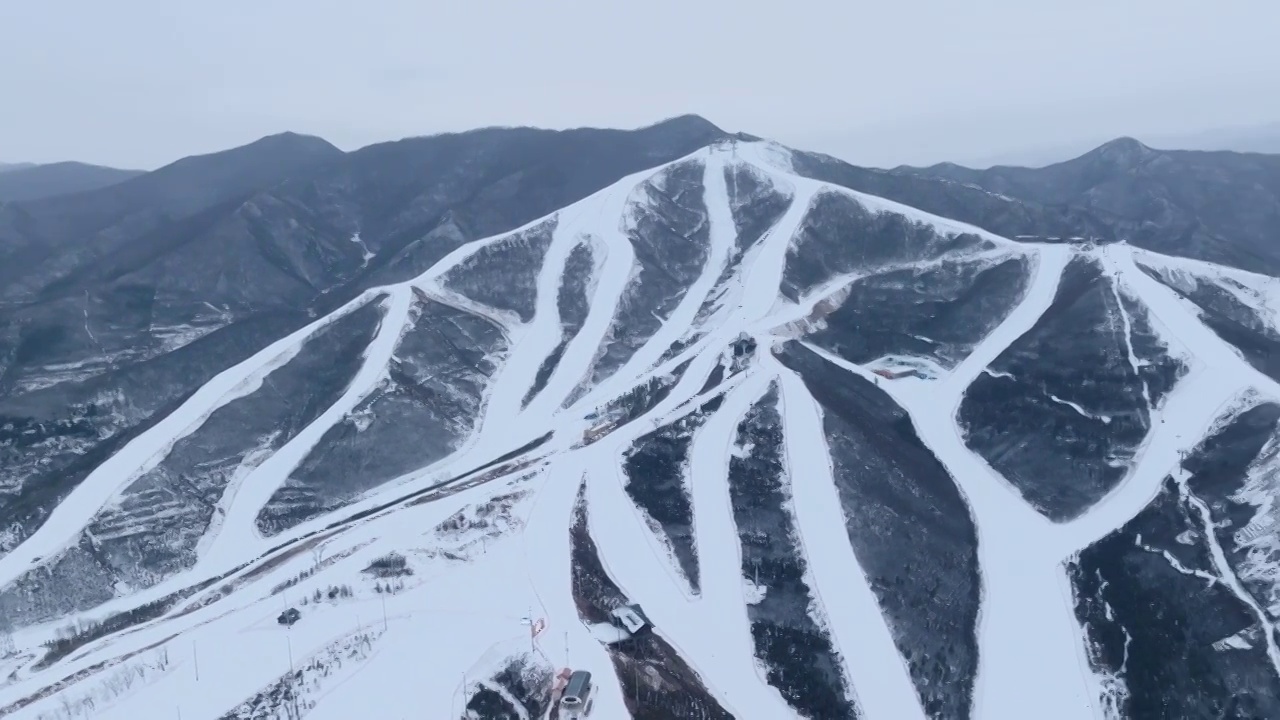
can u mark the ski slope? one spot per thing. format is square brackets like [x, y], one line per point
[477, 584]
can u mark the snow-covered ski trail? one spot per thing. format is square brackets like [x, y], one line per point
[1185, 417]
[548, 560]
[1024, 613]
[859, 631]
[615, 272]
[1217, 377]
[681, 318]
[1228, 576]
[776, 159]
[144, 452]
[579, 223]
[719, 548]
[1260, 292]
[239, 536]
[531, 343]
[1113, 281]
[720, 241]
[693, 628]
[1181, 318]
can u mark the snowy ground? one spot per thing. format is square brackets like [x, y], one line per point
[416, 650]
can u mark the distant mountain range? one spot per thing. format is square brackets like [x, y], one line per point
[1218, 206]
[1252, 138]
[1263, 138]
[28, 181]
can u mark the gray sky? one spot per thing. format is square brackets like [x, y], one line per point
[142, 82]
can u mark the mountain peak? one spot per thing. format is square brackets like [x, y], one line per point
[260, 163]
[1122, 151]
[35, 182]
[296, 141]
[285, 146]
[687, 120]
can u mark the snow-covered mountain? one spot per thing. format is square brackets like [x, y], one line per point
[851, 459]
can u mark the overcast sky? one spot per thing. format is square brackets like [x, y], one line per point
[139, 83]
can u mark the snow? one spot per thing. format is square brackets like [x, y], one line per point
[149, 448]
[770, 155]
[721, 244]
[1259, 292]
[1068, 403]
[610, 284]
[1187, 415]
[238, 533]
[1174, 562]
[465, 610]
[1216, 379]
[1181, 319]
[858, 629]
[1024, 611]
[720, 553]
[1228, 577]
[1114, 282]
[719, 648]
[365, 254]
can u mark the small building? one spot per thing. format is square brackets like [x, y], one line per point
[630, 618]
[896, 373]
[595, 433]
[575, 703]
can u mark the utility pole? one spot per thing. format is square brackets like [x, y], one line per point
[384, 612]
[195, 655]
[635, 679]
[566, 649]
[293, 681]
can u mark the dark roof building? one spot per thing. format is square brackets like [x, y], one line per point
[576, 700]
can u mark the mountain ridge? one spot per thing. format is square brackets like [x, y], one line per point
[29, 181]
[1210, 205]
[600, 356]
